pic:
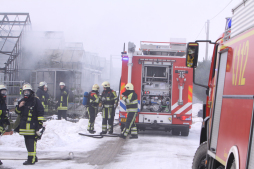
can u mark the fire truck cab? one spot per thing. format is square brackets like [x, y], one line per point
[227, 139]
[163, 84]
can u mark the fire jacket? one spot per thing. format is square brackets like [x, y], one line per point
[109, 98]
[31, 115]
[93, 99]
[3, 116]
[131, 100]
[63, 99]
[44, 98]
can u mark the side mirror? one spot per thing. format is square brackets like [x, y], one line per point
[192, 55]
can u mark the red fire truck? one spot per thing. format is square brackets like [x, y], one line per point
[163, 84]
[227, 131]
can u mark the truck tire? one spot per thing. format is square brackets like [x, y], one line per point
[185, 132]
[200, 157]
[175, 132]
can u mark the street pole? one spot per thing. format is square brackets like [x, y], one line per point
[207, 38]
[110, 68]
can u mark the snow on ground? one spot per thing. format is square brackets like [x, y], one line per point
[151, 150]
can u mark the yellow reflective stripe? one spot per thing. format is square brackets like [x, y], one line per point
[130, 96]
[43, 96]
[17, 110]
[1, 112]
[29, 119]
[31, 153]
[28, 126]
[24, 133]
[134, 102]
[61, 98]
[41, 118]
[62, 108]
[132, 110]
[107, 98]
[34, 153]
[30, 114]
[27, 130]
[67, 100]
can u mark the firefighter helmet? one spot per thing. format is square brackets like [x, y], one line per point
[95, 87]
[105, 84]
[61, 84]
[191, 51]
[27, 86]
[129, 86]
[42, 84]
[2, 87]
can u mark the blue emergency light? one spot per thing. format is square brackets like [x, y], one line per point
[125, 58]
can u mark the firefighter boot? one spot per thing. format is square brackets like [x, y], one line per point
[134, 136]
[103, 132]
[122, 136]
[1, 162]
[28, 163]
[36, 159]
[110, 132]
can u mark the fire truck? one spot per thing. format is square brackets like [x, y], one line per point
[163, 84]
[226, 139]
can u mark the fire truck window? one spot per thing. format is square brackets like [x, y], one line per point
[156, 71]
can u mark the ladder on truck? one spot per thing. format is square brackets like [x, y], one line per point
[163, 48]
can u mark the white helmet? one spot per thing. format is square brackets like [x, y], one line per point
[42, 84]
[191, 52]
[95, 87]
[129, 86]
[61, 84]
[27, 86]
[105, 84]
[2, 87]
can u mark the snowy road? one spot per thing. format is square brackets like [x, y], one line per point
[153, 149]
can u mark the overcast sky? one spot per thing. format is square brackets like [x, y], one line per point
[104, 25]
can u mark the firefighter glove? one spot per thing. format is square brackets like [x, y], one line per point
[40, 125]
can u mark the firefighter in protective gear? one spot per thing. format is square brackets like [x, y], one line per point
[108, 98]
[131, 101]
[3, 111]
[42, 94]
[62, 101]
[31, 112]
[190, 58]
[93, 107]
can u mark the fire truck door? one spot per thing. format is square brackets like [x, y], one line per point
[218, 100]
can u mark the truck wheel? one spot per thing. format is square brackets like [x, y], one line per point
[200, 157]
[122, 126]
[175, 132]
[185, 132]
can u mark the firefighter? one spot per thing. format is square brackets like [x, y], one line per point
[131, 100]
[3, 111]
[42, 94]
[108, 98]
[62, 101]
[190, 58]
[31, 112]
[93, 107]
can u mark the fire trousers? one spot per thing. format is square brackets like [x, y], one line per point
[130, 125]
[92, 112]
[31, 142]
[107, 116]
[62, 113]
